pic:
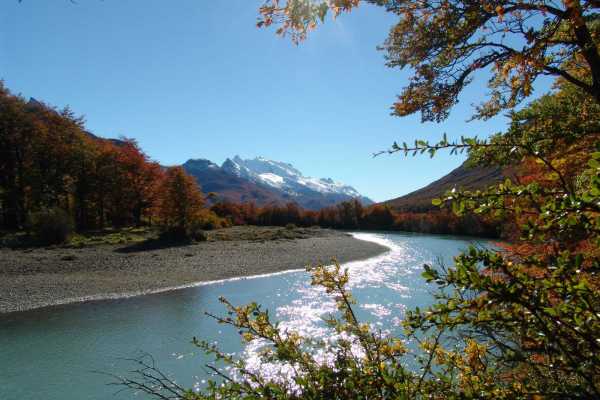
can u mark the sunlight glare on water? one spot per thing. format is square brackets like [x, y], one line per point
[304, 315]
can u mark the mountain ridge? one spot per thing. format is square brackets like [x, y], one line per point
[462, 177]
[266, 181]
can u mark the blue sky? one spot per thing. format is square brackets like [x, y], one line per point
[197, 79]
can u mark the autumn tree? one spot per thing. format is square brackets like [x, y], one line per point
[351, 214]
[104, 174]
[232, 211]
[135, 182]
[180, 201]
[310, 218]
[42, 151]
[16, 131]
[379, 217]
[548, 124]
[446, 42]
[293, 213]
[249, 212]
[51, 165]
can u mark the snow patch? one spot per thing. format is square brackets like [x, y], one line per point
[271, 179]
[286, 177]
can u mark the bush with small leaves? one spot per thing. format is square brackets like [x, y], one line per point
[51, 226]
[197, 233]
[208, 220]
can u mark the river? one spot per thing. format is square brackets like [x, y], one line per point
[63, 352]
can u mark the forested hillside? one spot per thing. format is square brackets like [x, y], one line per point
[56, 177]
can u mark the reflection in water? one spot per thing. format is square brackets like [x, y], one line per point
[52, 353]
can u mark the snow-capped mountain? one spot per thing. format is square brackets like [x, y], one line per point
[285, 177]
[214, 179]
[281, 180]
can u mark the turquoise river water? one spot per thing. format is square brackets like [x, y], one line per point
[60, 353]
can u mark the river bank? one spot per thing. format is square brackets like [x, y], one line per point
[34, 278]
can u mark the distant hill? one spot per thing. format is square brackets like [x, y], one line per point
[462, 177]
[34, 104]
[266, 181]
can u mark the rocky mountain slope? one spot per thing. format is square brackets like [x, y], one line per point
[266, 181]
[462, 177]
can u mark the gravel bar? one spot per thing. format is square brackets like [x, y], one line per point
[43, 277]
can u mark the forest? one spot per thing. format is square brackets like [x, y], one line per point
[352, 215]
[56, 177]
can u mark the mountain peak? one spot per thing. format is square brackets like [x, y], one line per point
[280, 178]
[199, 164]
[231, 166]
[284, 176]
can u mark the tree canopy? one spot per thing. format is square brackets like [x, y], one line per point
[51, 166]
[445, 42]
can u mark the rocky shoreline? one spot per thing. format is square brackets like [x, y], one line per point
[35, 278]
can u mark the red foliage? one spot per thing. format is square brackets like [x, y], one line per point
[49, 160]
[180, 201]
[352, 215]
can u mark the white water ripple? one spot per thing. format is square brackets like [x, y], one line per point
[305, 313]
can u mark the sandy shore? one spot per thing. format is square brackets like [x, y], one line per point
[41, 277]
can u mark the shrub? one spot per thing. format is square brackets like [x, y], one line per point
[197, 234]
[174, 234]
[195, 229]
[191, 233]
[51, 226]
[208, 220]
[290, 227]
